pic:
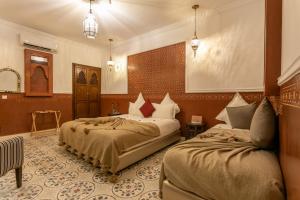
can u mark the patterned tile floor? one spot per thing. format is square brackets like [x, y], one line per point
[50, 172]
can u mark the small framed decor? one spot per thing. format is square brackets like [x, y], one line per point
[197, 120]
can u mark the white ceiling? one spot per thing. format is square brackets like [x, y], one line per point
[121, 20]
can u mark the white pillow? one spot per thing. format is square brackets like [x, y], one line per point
[168, 100]
[165, 111]
[235, 102]
[139, 101]
[133, 110]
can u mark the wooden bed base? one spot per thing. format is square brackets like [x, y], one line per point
[170, 191]
[143, 151]
[139, 153]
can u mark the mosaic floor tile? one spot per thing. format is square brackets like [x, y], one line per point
[52, 173]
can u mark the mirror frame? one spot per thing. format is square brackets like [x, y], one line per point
[7, 69]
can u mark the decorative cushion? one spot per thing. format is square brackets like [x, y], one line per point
[167, 100]
[263, 126]
[235, 102]
[147, 109]
[241, 117]
[166, 111]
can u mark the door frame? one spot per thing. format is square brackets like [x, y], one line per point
[73, 84]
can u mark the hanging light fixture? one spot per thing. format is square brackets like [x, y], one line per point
[110, 62]
[195, 41]
[90, 25]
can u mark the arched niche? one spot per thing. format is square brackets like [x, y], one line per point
[10, 81]
[39, 80]
[38, 73]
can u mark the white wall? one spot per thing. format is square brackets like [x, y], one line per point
[230, 57]
[12, 54]
[290, 40]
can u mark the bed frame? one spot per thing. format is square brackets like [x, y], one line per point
[137, 154]
[141, 152]
[128, 158]
[171, 192]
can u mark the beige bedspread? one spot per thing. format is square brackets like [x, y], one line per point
[224, 165]
[101, 140]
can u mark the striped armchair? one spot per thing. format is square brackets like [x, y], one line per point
[12, 157]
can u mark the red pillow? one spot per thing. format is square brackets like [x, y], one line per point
[147, 109]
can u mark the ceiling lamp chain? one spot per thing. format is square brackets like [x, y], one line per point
[195, 41]
[90, 25]
[110, 62]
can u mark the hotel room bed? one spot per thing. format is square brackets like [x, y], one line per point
[220, 164]
[113, 143]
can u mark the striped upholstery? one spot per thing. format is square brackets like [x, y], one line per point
[11, 154]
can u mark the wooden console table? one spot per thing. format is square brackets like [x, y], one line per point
[34, 115]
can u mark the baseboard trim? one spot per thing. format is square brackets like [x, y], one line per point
[46, 132]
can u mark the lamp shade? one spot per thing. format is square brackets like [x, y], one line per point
[90, 26]
[110, 63]
[195, 43]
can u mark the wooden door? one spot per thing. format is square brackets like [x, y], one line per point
[86, 91]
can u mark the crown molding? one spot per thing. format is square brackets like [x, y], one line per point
[292, 71]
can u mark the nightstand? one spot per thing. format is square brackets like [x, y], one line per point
[191, 130]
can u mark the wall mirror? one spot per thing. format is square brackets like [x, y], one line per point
[10, 81]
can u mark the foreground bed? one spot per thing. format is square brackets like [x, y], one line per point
[113, 143]
[220, 164]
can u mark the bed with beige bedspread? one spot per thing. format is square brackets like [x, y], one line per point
[223, 164]
[101, 140]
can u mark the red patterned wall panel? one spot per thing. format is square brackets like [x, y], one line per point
[290, 93]
[290, 136]
[157, 71]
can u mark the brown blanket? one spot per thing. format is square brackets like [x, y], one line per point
[103, 139]
[224, 165]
